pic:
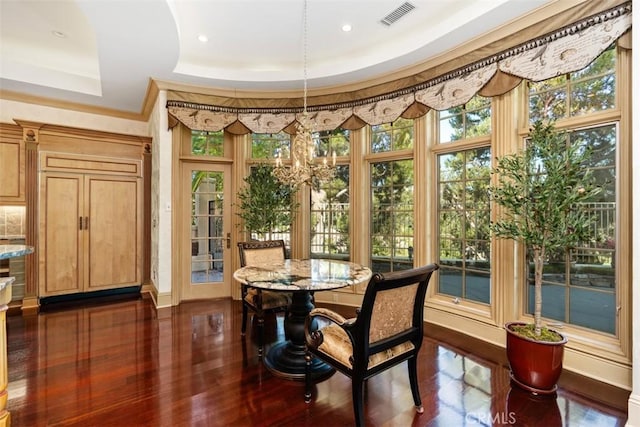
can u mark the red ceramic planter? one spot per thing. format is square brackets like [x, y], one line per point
[535, 365]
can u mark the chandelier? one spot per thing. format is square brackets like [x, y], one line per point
[305, 168]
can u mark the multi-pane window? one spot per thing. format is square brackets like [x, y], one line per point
[579, 288]
[266, 146]
[270, 145]
[391, 198]
[330, 217]
[392, 215]
[466, 121]
[589, 90]
[330, 202]
[391, 137]
[204, 143]
[463, 224]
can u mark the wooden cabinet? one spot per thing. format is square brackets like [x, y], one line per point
[12, 165]
[90, 226]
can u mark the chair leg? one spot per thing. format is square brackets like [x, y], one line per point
[357, 395]
[244, 319]
[260, 333]
[412, 364]
[307, 377]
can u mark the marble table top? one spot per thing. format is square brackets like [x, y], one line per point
[303, 275]
[11, 251]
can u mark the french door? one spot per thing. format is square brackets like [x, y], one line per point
[206, 253]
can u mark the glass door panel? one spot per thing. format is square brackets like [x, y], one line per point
[208, 236]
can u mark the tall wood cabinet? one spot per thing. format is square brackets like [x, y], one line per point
[90, 223]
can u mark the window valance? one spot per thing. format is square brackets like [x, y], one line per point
[566, 50]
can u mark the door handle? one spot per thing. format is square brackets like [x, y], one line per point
[83, 223]
[228, 240]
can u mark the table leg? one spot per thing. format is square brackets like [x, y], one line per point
[286, 359]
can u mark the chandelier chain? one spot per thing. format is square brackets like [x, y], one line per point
[304, 169]
[304, 58]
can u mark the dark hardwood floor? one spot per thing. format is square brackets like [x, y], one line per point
[122, 363]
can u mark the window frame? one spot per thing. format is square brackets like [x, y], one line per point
[486, 313]
[465, 267]
[616, 348]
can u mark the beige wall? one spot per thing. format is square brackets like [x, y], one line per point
[12, 110]
[161, 204]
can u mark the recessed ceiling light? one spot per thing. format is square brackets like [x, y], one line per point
[203, 38]
[346, 28]
[59, 34]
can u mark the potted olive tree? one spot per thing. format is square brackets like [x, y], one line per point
[265, 204]
[542, 190]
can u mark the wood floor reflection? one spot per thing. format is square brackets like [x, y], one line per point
[123, 363]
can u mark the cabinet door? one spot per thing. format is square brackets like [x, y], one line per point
[61, 210]
[12, 164]
[112, 237]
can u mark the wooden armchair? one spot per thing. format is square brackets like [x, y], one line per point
[257, 300]
[386, 331]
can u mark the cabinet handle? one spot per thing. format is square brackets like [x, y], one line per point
[86, 222]
[80, 223]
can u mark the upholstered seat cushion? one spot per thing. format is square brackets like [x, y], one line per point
[269, 299]
[336, 344]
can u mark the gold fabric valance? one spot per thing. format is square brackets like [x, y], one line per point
[563, 51]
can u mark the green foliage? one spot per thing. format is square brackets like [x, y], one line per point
[468, 120]
[585, 91]
[464, 217]
[205, 143]
[327, 142]
[392, 136]
[268, 146]
[266, 205]
[330, 214]
[391, 194]
[197, 177]
[391, 210]
[543, 190]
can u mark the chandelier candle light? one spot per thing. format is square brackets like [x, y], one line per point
[304, 170]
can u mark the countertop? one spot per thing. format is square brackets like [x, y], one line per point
[11, 251]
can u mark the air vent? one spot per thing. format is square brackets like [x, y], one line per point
[401, 11]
